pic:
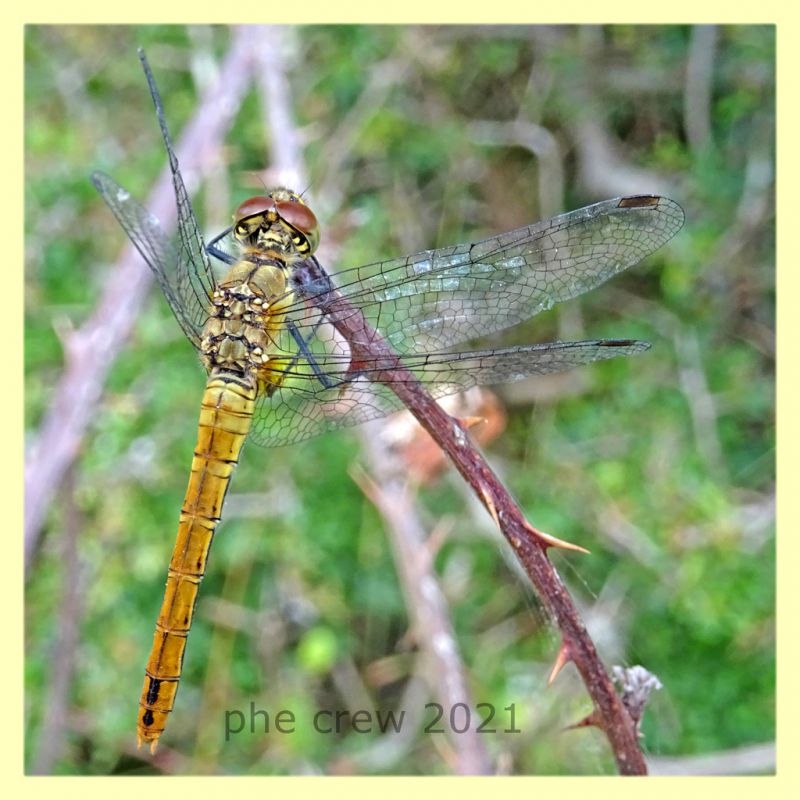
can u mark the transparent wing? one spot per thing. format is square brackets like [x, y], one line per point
[430, 301]
[437, 298]
[182, 271]
[318, 395]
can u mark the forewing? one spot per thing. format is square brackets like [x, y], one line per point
[183, 271]
[437, 298]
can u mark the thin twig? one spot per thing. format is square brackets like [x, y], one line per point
[424, 599]
[754, 759]
[697, 93]
[284, 141]
[700, 400]
[542, 143]
[603, 169]
[63, 658]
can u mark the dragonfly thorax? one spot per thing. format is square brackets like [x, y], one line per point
[246, 315]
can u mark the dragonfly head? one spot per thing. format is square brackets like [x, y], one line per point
[279, 220]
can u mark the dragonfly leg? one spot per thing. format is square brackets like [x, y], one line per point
[302, 344]
[213, 250]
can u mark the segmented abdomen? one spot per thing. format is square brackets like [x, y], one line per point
[225, 416]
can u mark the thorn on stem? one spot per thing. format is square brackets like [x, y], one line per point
[471, 422]
[562, 659]
[592, 719]
[490, 506]
[551, 541]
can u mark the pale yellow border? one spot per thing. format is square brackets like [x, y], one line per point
[144, 11]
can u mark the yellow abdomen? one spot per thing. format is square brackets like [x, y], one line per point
[225, 416]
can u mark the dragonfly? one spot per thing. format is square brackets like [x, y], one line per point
[266, 320]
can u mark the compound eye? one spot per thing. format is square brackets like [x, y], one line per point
[252, 207]
[299, 216]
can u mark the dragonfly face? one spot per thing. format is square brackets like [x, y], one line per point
[280, 219]
[280, 370]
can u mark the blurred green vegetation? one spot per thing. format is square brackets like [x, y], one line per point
[663, 465]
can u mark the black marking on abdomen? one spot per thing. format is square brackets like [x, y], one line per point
[152, 694]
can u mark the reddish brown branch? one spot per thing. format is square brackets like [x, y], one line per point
[610, 714]
[530, 547]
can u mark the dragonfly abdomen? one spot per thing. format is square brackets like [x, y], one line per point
[225, 416]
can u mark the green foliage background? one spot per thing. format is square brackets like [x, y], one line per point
[663, 465]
